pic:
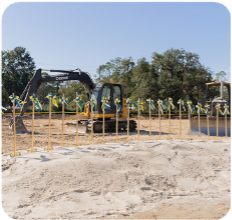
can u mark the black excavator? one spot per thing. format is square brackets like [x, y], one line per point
[94, 92]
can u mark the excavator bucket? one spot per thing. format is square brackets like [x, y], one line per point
[82, 128]
[19, 125]
[212, 126]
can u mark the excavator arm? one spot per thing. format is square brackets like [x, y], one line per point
[35, 83]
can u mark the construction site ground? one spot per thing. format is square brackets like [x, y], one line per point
[41, 132]
[146, 179]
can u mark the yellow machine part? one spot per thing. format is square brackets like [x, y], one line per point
[96, 115]
[83, 127]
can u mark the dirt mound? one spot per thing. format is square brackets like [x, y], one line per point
[136, 179]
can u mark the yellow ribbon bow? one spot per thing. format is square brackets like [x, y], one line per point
[36, 101]
[150, 102]
[78, 100]
[129, 102]
[140, 104]
[17, 101]
[199, 108]
[181, 102]
[207, 107]
[161, 104]
[190, 105]
[52, 98]
[117, 103]
[64, 100]
[3, 109]
[226, 111]
[93, 101]
[218, 106]
[170, 102]
[105, 103]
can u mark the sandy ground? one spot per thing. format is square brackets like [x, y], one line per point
[41, 133]
[155, 179]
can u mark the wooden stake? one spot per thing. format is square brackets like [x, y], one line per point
[150, 119]
[49, 126]
[2, 126]
[138, 122]
[103, 127]
[32, 133]
[14, 127]
[77, 122]
[15, 152]
[189, 116]
[116, 123]
[169, 112]
[217, 123]
[91, 122]
[180, 120]
[128, 122]
[199, 124]
[62, 144]
[226, 124]
[159, 124]
[208, 127]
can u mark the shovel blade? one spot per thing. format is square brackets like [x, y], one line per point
[82, 128]
[212, 126]
[19, 125]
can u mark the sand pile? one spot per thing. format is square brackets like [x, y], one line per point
[120, 181]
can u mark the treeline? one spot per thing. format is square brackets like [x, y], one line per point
[175, 73]
[18, 68]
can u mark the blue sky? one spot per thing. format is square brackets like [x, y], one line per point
[86, 35]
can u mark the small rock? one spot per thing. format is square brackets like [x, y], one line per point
[145, 188]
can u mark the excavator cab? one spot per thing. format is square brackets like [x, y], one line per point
[109, 90]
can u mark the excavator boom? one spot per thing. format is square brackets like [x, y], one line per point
[35, 83]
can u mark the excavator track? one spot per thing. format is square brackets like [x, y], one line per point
[110, 125]
[85, 125]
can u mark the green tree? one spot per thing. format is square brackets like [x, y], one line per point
[181, 75]
[17, 69]
[118, 70]
[69, 89]
[45, 88]
[221, 76]
[2, 90]
[145, 81]
[127, 74]
[1, 59]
